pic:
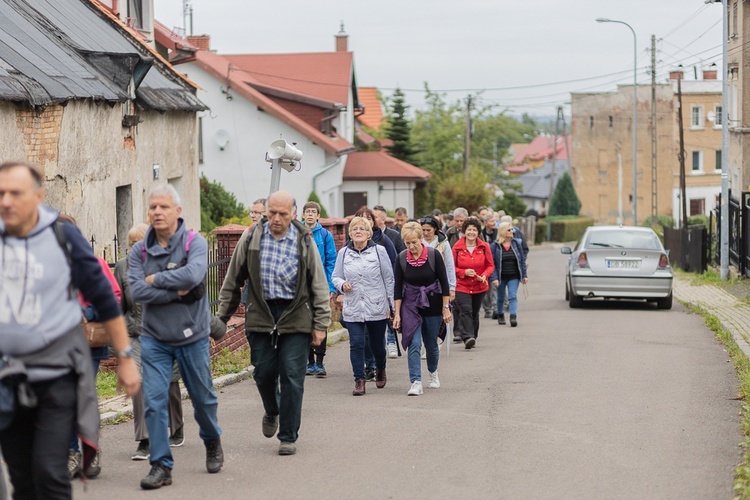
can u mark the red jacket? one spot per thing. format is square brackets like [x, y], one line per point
[480, 260]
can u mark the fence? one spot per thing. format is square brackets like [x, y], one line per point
[739, 233]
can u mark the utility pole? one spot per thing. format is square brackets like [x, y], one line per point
[558, 121]
[467, 138]
[681, 155]
[654, 197]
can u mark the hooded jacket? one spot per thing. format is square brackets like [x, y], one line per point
[310, 309]
[370, 274]
[327, 250]
[164, 317]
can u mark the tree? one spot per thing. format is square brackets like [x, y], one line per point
[455, 191]
[314, 197]
[510, 203]
[398, 129]
[564, 200]
[218, 205]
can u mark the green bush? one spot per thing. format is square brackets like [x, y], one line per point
[698, 220]
[660, 220]
[569, 229]
[564, 200]
[541, 232]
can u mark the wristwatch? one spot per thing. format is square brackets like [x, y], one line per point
[446, 307]
[125, 353]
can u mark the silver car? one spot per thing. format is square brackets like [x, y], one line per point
[618, 262]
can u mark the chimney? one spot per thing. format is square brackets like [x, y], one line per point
[201, 42]
[342, 40]
[676, 74]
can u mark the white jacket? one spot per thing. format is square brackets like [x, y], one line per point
[370, 274]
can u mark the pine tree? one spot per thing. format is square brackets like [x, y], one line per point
[217, 204]
[314, 197]
[564, 200]
[398, 129]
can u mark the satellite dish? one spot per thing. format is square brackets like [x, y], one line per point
[222, 138]
[711, 116]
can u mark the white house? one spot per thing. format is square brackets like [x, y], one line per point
[310, 99]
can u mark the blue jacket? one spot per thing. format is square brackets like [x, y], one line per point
[327, 250]
[497, 256]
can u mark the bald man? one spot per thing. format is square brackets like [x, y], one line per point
[287, 311]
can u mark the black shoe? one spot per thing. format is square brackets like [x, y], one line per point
[158, 477]
[457, 340]
[94, 468]
[369, 375]
[487, 314]
[501, 319]
[513, 321]
[178, 438]
[214, 456]
[494, 315]
[469, 343]
[270, 425]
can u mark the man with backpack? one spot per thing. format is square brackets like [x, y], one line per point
[166, 272]
[288, 308]
[327, 250]
[44, 264]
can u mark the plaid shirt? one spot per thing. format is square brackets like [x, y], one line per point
[279, 263]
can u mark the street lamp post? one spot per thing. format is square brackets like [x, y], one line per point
[635, 114]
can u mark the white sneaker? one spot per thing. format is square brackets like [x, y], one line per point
[434, 381]
[416, 389]
[392, 351]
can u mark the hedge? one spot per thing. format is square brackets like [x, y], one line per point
[569, 229]
[541, 232]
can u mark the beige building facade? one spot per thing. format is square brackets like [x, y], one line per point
[738, 53]
[601, 151]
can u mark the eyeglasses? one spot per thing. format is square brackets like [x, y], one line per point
[425, 220]
[311, 211]
[256, 213]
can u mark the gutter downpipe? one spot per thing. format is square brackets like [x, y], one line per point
[323, 171]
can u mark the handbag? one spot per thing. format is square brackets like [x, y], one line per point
[95, 333]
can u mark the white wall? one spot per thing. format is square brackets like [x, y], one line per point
[707, 193]
[390, 194]
[241, 165]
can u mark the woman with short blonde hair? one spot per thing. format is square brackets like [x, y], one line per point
[364, 274]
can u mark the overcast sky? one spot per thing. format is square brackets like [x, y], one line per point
[472, 46]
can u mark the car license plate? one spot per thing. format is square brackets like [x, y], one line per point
[623, 264]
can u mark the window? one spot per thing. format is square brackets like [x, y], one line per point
[697, 161]
[124, 215]
[717, 116]
[697, 207]
[696, 117]
[718, 159]
[734, 19]
[591, 121]
[611, 121]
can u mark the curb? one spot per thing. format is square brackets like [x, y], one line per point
[113, 410]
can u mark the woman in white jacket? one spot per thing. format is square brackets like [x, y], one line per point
[363, 273]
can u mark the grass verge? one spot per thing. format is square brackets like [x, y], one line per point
[742, 366]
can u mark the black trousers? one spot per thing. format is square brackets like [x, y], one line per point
[35, 445]
[467, 314]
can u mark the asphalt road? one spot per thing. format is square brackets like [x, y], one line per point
[615, 400]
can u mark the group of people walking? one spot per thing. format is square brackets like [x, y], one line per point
[411, 279]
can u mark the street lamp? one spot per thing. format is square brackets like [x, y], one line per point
[635, 114]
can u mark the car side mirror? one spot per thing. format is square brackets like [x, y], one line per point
[566, 250]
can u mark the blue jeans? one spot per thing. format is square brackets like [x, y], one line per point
[374, 331]
[195, 368]
[280, 377]
[512, 295]
[429, 334]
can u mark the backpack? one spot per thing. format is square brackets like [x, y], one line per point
[430, 259]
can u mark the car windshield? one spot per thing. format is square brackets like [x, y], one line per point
[623, 239]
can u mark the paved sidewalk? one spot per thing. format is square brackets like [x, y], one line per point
[733, 313]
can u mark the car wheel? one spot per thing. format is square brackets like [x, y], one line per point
[567, 292]
[665, 303]
[574, 301]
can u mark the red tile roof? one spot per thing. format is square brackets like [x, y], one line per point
[323, 75]
[168, 38]
[381, 165]
[373, 116]
[542, 148]
[241, 82]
